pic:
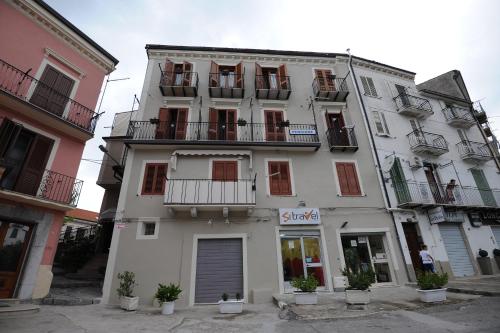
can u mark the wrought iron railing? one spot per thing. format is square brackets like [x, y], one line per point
[321, 84]
[421, 138]
[226, 80]
[220, 131]
[405, 101]
[71, 233]
[343, 138]
[210, 192]
[468, 148]
[423, 193]
[23, 86]
[266, 82]
[185, 79]
[457, 113]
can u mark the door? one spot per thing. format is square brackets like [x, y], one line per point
[53, 90]
[325, 79]
[433, 180]
[399, 182]
[405, 101]
[414, 244]
[172, 124]
[14, 241]
[222, 125]
[456, 249]
[219, 269]
[483, 187]
[301, 256]
[336, 129]
[275, 131]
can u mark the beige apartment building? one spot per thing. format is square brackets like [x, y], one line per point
[243, 169]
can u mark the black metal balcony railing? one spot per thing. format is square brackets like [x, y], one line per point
[330, 89]
[406, 103]
[20, 84]
[179, 84]
[411, 193]
[272, 87]
[474, 150]
[454, 114]
[342, 140]
[210, 192]
[479, 112]
[421, 141]
[226, 85]
[227, 132]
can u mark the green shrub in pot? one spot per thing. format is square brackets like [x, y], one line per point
[306, 285]
[429, 281]
[359, 280]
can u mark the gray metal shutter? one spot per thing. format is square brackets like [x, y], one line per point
[496, 234]
[457, 252]
[219, 269]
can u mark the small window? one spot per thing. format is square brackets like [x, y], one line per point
[154, 179]
[149, 228]
[348, 179]
[380, 123]
[279, 178]
[369, 86]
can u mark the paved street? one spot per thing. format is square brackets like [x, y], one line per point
[479, 315]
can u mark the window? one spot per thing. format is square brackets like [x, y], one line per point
[53, 90]
[222, 124]
[148, 229]
[279, 178]
[225, 171]
[178, 74]
[380, 123]
[172, 124]
[348, 179]
[271, 77]
[155, 175]
[226, 76]
[326, 79]
[275, 131]
[368, 86]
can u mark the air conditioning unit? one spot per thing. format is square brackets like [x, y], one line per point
[416, 162]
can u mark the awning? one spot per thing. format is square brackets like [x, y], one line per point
[206, 152]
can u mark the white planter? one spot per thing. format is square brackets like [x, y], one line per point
[231, 306]
[306, 298]
[167, 308]
[129, 303]
[357, 297]
[433, 295]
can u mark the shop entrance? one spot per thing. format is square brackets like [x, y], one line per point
[301, 256]
[364, 252]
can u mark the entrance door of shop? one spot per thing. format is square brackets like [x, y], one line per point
[413, 242]
[364, 252]
[456, 249]
[14, 241]
[301, 256]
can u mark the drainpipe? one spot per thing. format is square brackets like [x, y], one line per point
[376, 157]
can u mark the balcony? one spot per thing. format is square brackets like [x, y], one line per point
[427, 143]
[300, 136]
[344, 140]
[267, 87]
[330, 89]
[18, 84]
[209, 193]
[412, 194]
[52, 190]
[458, 117]
[226, 85]
[474, 151]
[179, 84]
[479, 113]
[413, 106]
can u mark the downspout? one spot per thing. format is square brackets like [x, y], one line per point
[380, 175]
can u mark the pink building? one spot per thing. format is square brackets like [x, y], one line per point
[51, 74]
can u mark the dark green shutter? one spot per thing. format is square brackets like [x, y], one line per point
[399, 182]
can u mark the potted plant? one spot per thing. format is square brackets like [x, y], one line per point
[125, 291]
[154, 121]
[496, 255]
[166, 296]
[485, 263]
[431, 287]
[227, 305]
[284, 123]
[357, 292]
[307, 287]
[242, 122]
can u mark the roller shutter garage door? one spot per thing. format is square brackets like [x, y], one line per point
[458, 255]
[219, 269]
[496, 234]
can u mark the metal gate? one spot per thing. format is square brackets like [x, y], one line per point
[455, 246]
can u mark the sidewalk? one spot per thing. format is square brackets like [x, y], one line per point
[486, 285]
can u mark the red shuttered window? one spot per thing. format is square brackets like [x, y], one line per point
[225, 171]
[280, 182]
[348, 178]
[154, 179]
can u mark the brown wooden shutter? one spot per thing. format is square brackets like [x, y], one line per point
[34, 166]
[231, 125]
[283, 77]
[148, 181]
[52, 91]
[348, 178]
[9, 131]
[274, 180]
[279, 178]
[43, 89]
[239, 75]
[160, 179]
[225, 171]
[273, 131]
[60, 96]
[181, 127]
[214, 74]
[259, 79]
[212, 124]
[218, 170]
[163, 127]
[187, 68]
[285, 181]
[169, 72]
[154, 179]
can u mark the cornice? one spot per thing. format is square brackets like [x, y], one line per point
[380, 68]
[52, 25]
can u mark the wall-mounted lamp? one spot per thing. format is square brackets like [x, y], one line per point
[344, 224]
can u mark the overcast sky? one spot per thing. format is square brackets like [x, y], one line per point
[426, 37]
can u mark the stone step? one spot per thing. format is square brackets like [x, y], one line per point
[68, 301]
[18, 309]
[9, 301]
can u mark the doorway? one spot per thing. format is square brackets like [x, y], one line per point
[301, 255]
[434, 182]
[336, 129]
[14, 240]
[414, 242]
[275, 131]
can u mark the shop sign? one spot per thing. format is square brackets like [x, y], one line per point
[297, 216]
[490, 216]
[436, 215]
[302, 131]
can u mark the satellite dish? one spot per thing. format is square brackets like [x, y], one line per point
[388, 163]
